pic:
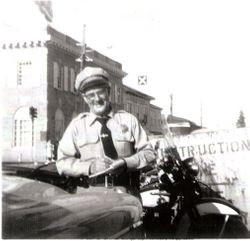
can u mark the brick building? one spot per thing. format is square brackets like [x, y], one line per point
[41, 73]
[138, 104]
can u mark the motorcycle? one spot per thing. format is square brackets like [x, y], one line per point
[178, 205]
[173, 203]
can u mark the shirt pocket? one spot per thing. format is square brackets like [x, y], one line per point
[87, 140]
[89, 147]
[124, 144]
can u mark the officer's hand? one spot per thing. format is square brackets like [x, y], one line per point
[99, 165]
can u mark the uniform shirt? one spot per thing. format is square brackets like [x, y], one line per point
[82, 136]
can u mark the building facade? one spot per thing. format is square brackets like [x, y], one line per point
[155, 120]
[138, 104]
[40, 73]
[24, 83]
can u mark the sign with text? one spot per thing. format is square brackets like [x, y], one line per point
[224, 155]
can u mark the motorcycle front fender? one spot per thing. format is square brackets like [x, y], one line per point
[205, 210]
[221, 206]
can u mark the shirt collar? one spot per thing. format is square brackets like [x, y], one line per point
[92, 117]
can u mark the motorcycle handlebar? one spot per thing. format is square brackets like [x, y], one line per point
[106, 171]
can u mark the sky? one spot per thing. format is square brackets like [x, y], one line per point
[199, 51]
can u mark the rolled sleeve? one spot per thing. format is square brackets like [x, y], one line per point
[145, 154]
[71, 166]
[143, 158]
[67, 163]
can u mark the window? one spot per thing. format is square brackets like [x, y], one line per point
[59, 124]
[117, 94]
[72, 80]
[127, 107]
[61, 78]
[25, 130]
[65, 71]
[56, 74]
[24, 73]
[69, 80]
[22, 128]
[112, 93]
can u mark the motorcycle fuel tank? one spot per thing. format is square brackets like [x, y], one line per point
[34, 209]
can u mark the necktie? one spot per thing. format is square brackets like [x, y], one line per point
[107, 142]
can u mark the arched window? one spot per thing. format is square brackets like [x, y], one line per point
[65, 72]
[56, 75]
[22, 127]
[72, 80]
[59, 124]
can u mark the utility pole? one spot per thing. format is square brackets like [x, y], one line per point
[171, 104]
[83, 48]
[33, 116]
[83, 55]
[201, 117]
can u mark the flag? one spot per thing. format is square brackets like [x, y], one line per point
[45, 8]
[142, 80]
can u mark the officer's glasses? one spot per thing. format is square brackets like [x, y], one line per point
[91, 95]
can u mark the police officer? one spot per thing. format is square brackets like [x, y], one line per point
[102, 138]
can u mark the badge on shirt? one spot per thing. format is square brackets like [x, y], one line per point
[124, 128]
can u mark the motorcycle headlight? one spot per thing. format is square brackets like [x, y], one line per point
[192, 166]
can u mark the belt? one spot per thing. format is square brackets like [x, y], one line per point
[124, 179]
[130, 181]
[104, 180]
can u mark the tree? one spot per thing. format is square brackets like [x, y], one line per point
[241, 120]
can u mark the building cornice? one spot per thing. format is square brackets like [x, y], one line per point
[51, 38]
[62, 41]
[72, 46]
[109, 67]
[23, 44]
[103, 61]
[155, 107]
[137, 93]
